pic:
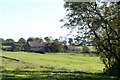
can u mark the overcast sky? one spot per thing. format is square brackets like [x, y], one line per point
[31, 18]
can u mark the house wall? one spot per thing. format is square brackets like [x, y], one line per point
[27, 47]
[37, 48]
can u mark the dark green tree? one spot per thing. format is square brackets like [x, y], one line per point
[77, 40]
[37, 39]
[7, 42]
[101, 24]
[2, 40]
[56, 46]
[85, 49]
[47, 39]
[30, 39]
[63, 39]
[64, 42]
[10, 40]
[70, 41]
[17, 46]
[22, 40]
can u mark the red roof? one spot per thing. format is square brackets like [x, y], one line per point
[70, 47]
[37, 44]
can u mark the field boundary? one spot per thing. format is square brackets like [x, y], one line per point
[9, 58]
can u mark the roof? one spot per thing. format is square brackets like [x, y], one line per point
[36, 44]
[70, 47]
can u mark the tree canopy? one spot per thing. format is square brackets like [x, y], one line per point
[37, 39]
[30, 39]
[22, 40]
[100, 22]
[47, 39]
[10, 40]
[2, 40]
[70, 41]
[17, 46]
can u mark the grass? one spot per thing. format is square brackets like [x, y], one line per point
[60, 60]
[52, 66]
[53, 75]
[92, 48]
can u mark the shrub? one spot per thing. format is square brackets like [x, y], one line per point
[41, 52]
[79, 50]
[85, 49]
[4, 47]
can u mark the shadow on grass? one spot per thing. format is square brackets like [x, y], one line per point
[53, 75]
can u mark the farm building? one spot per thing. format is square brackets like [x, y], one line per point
[69, 49]
[35, 46]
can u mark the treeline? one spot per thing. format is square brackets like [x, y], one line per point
[53, 45]
[78, 41]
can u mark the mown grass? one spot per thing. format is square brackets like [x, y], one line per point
[52, 66]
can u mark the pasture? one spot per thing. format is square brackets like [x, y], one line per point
[53, 66]
[92, 48]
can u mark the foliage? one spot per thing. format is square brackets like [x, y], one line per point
[30, 39]
[7, 42]
[63, 39]
[17, 46]
[3, 47]
[101, 24]
[55, 46]
[47, 39]
[22, 40]
[37, 39]
[10, 40]
[2, 40]
[92, 48]
[85, 49]
[70, 41]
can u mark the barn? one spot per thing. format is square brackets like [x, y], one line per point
[35, 46]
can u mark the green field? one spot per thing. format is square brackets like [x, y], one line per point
[92, 48]
[52, 66]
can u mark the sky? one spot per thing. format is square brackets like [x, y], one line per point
[31, 18]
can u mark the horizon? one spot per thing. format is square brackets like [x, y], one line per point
[32, 18]
[35, 37]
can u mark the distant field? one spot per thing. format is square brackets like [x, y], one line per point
[69, 61]
[92, 48]
[52, 66]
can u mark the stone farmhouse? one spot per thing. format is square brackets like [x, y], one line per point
[35, 46]
[70, 49]
[44, 47]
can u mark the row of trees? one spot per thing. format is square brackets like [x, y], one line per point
[53, 45]
[70, 41]
[56, 45]
[22, 40]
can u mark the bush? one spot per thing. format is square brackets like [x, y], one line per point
[79, 50]
[40, 51]
[85, 49]
[4, 47]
